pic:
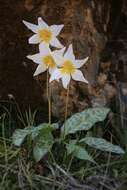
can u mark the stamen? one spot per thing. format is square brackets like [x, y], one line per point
[45, 35]
[49, 61]
[68, 67]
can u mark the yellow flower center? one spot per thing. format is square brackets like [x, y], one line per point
[49, 61]
[45, 35]
[68, 67]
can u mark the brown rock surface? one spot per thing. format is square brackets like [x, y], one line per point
[88, 25]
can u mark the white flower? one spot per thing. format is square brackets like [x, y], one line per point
[44, 33]
[45, 59]
[68, 67]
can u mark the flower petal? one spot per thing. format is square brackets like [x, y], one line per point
[34, 39]
[79, 63]
[65, 80]
[35, 58]
[58, 56]
[44, 49]
[31, 26]
[42, 23]
[78, 76]
[56, 29]
[55, 75]
[40, 69]
[60, 51]
[69, 54]
[51, 70]
[56, 43]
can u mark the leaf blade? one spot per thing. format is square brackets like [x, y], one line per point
[102, 144]
[84, 120]
[19, 135]
[43, 143]
[78, 151]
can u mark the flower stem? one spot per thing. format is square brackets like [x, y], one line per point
[66, 111]
[49, 98]
[66, 105]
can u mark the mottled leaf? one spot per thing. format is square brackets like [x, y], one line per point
[71, 146]
[84, 120]
[102, 144]
[78, 151]
[20, 134]
[54, 126]
[42, 144]
[36, 130]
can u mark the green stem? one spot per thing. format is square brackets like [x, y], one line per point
[66, 105]
[66, 111]
[49, 98]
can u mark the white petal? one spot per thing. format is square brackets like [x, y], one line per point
[35, 58]
[58, 56]
[40, 69]
[56, 43]
[78, 76]
[34, 39]
[65, 80]
[60, 51]
[44, 49]
[55, 75]
[42, 23]
[31, 26]
[69, 54]
[56, 29]
[51, 70]
[81, 62]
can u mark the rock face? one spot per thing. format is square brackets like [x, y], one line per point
[88, 25]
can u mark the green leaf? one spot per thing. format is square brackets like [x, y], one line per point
[84, 120]
[55, 126]
[45, 126]
[36, 130]
[78, 151]
[20, 134]
[102, 144]
[71, 146]
[81, 153]
[43, 144]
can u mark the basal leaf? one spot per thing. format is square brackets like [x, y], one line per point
[20, 134]
[84, 120]
[78, 152]
[81, 153]
[42, 144]
[71, 146]
[54, 126]
[102, 144]
[36, 130]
